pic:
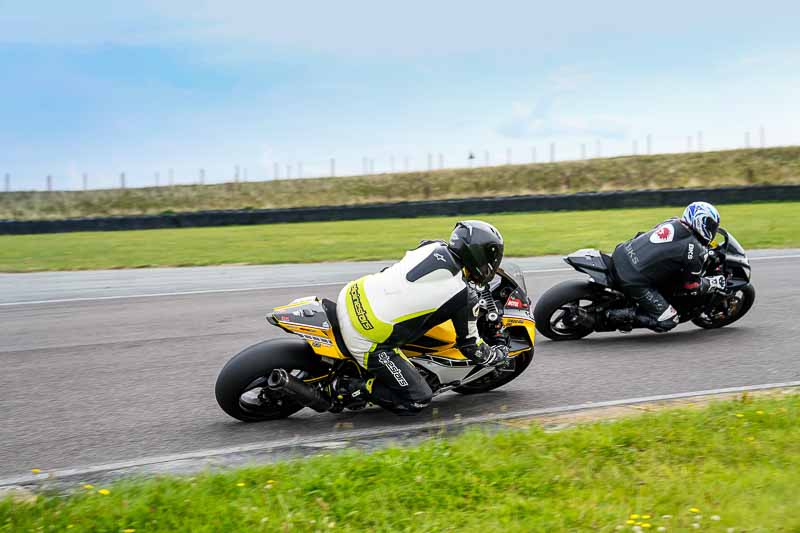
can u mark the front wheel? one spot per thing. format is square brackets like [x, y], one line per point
[729, 311]
[241, 385]
[500, 376]
[564, 312]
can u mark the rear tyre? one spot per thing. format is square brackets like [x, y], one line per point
[499, 377]
[241, 385]
[564, 312]
[742, 301]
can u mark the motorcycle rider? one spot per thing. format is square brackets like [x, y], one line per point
[675, 250]
[430, 285]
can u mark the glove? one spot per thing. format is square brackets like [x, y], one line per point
[496, 356]
[715, 283]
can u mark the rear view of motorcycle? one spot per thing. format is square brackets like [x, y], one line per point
[573, 309]
[278, 377]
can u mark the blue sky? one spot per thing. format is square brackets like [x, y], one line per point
[143, 87]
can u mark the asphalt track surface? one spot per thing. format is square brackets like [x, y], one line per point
[108, 366]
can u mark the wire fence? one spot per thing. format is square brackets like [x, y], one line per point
[550, 152]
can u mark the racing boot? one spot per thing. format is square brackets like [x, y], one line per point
[350, 393]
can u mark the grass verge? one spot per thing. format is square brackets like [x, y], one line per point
[755, 226]
[699, 169]
[732, 465]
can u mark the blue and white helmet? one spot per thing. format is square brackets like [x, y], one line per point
[703, 218]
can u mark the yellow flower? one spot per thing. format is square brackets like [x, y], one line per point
[270, 481]
[128, 530]
[634, 516]
[240, 484]
[645, 516]
[646, 525]
[104, 492]
[694, 510]
[35, 470]
[751, 439]
[630, 522]
[88, 486]
[759, 412]
[739, 415]
[70, 526]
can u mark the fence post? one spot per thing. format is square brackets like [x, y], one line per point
[583, 151]
[552, 152]
[49, 183]
[276, 171]
[762, 137]
[236, 174]
[598, 149]
[533, 154]
[699, 141]
[158, 179]
[333, 167]
[201, 176]
[299, 169]
[288, 171]
[85, 181]
[689, 143]
[747, 139]
[508, 156]
[441, 161]
[391, 163]
[430, 161]
[121, 180]
[8, 182]
[649, 144]
[371, 166]
[486, 158]
[635, 147]
[171, 178]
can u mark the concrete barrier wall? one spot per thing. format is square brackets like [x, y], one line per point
[465, 206]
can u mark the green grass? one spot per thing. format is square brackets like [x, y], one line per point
[732, 465]
[755, 226]
[700, 169]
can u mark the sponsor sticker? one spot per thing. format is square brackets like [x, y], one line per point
[361, 313]
[663, 233]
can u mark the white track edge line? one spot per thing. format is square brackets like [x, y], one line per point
[270, 287]
[363, 433]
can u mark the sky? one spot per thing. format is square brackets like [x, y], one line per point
[100, 88]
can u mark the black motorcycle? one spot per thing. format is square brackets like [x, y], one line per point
[573, 309]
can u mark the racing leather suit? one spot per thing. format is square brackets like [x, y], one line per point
[379, 312]
[669, 253]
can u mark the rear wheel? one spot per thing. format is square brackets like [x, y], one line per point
[500, 376]
[241, 385]
[728, 312]
[565, 312]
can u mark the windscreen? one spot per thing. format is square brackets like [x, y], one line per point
[733, 245]
[515, 272]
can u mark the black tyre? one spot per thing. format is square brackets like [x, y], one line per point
[499, 377]
[240, 387]
[742, 300]
[563, 314]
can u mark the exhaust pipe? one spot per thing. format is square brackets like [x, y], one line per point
[280, 380]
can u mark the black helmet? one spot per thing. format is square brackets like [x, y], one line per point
[479, 246]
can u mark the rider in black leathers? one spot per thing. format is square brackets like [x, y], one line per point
[674, 251]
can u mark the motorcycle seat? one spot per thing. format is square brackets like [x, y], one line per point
[330, 311]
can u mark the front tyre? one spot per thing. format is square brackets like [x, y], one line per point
[241, 385]
[499, 377]
[737, 305]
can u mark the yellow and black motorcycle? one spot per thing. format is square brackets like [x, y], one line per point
[278, 377]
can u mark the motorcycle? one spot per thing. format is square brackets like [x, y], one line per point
[278, 377]
[573, 309]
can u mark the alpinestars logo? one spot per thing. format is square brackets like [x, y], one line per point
[664, 233]
[361, 313]
[440, 257]
[388, 363]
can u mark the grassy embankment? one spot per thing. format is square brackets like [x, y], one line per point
[755, 226]
[731, 467]
[701, 169]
